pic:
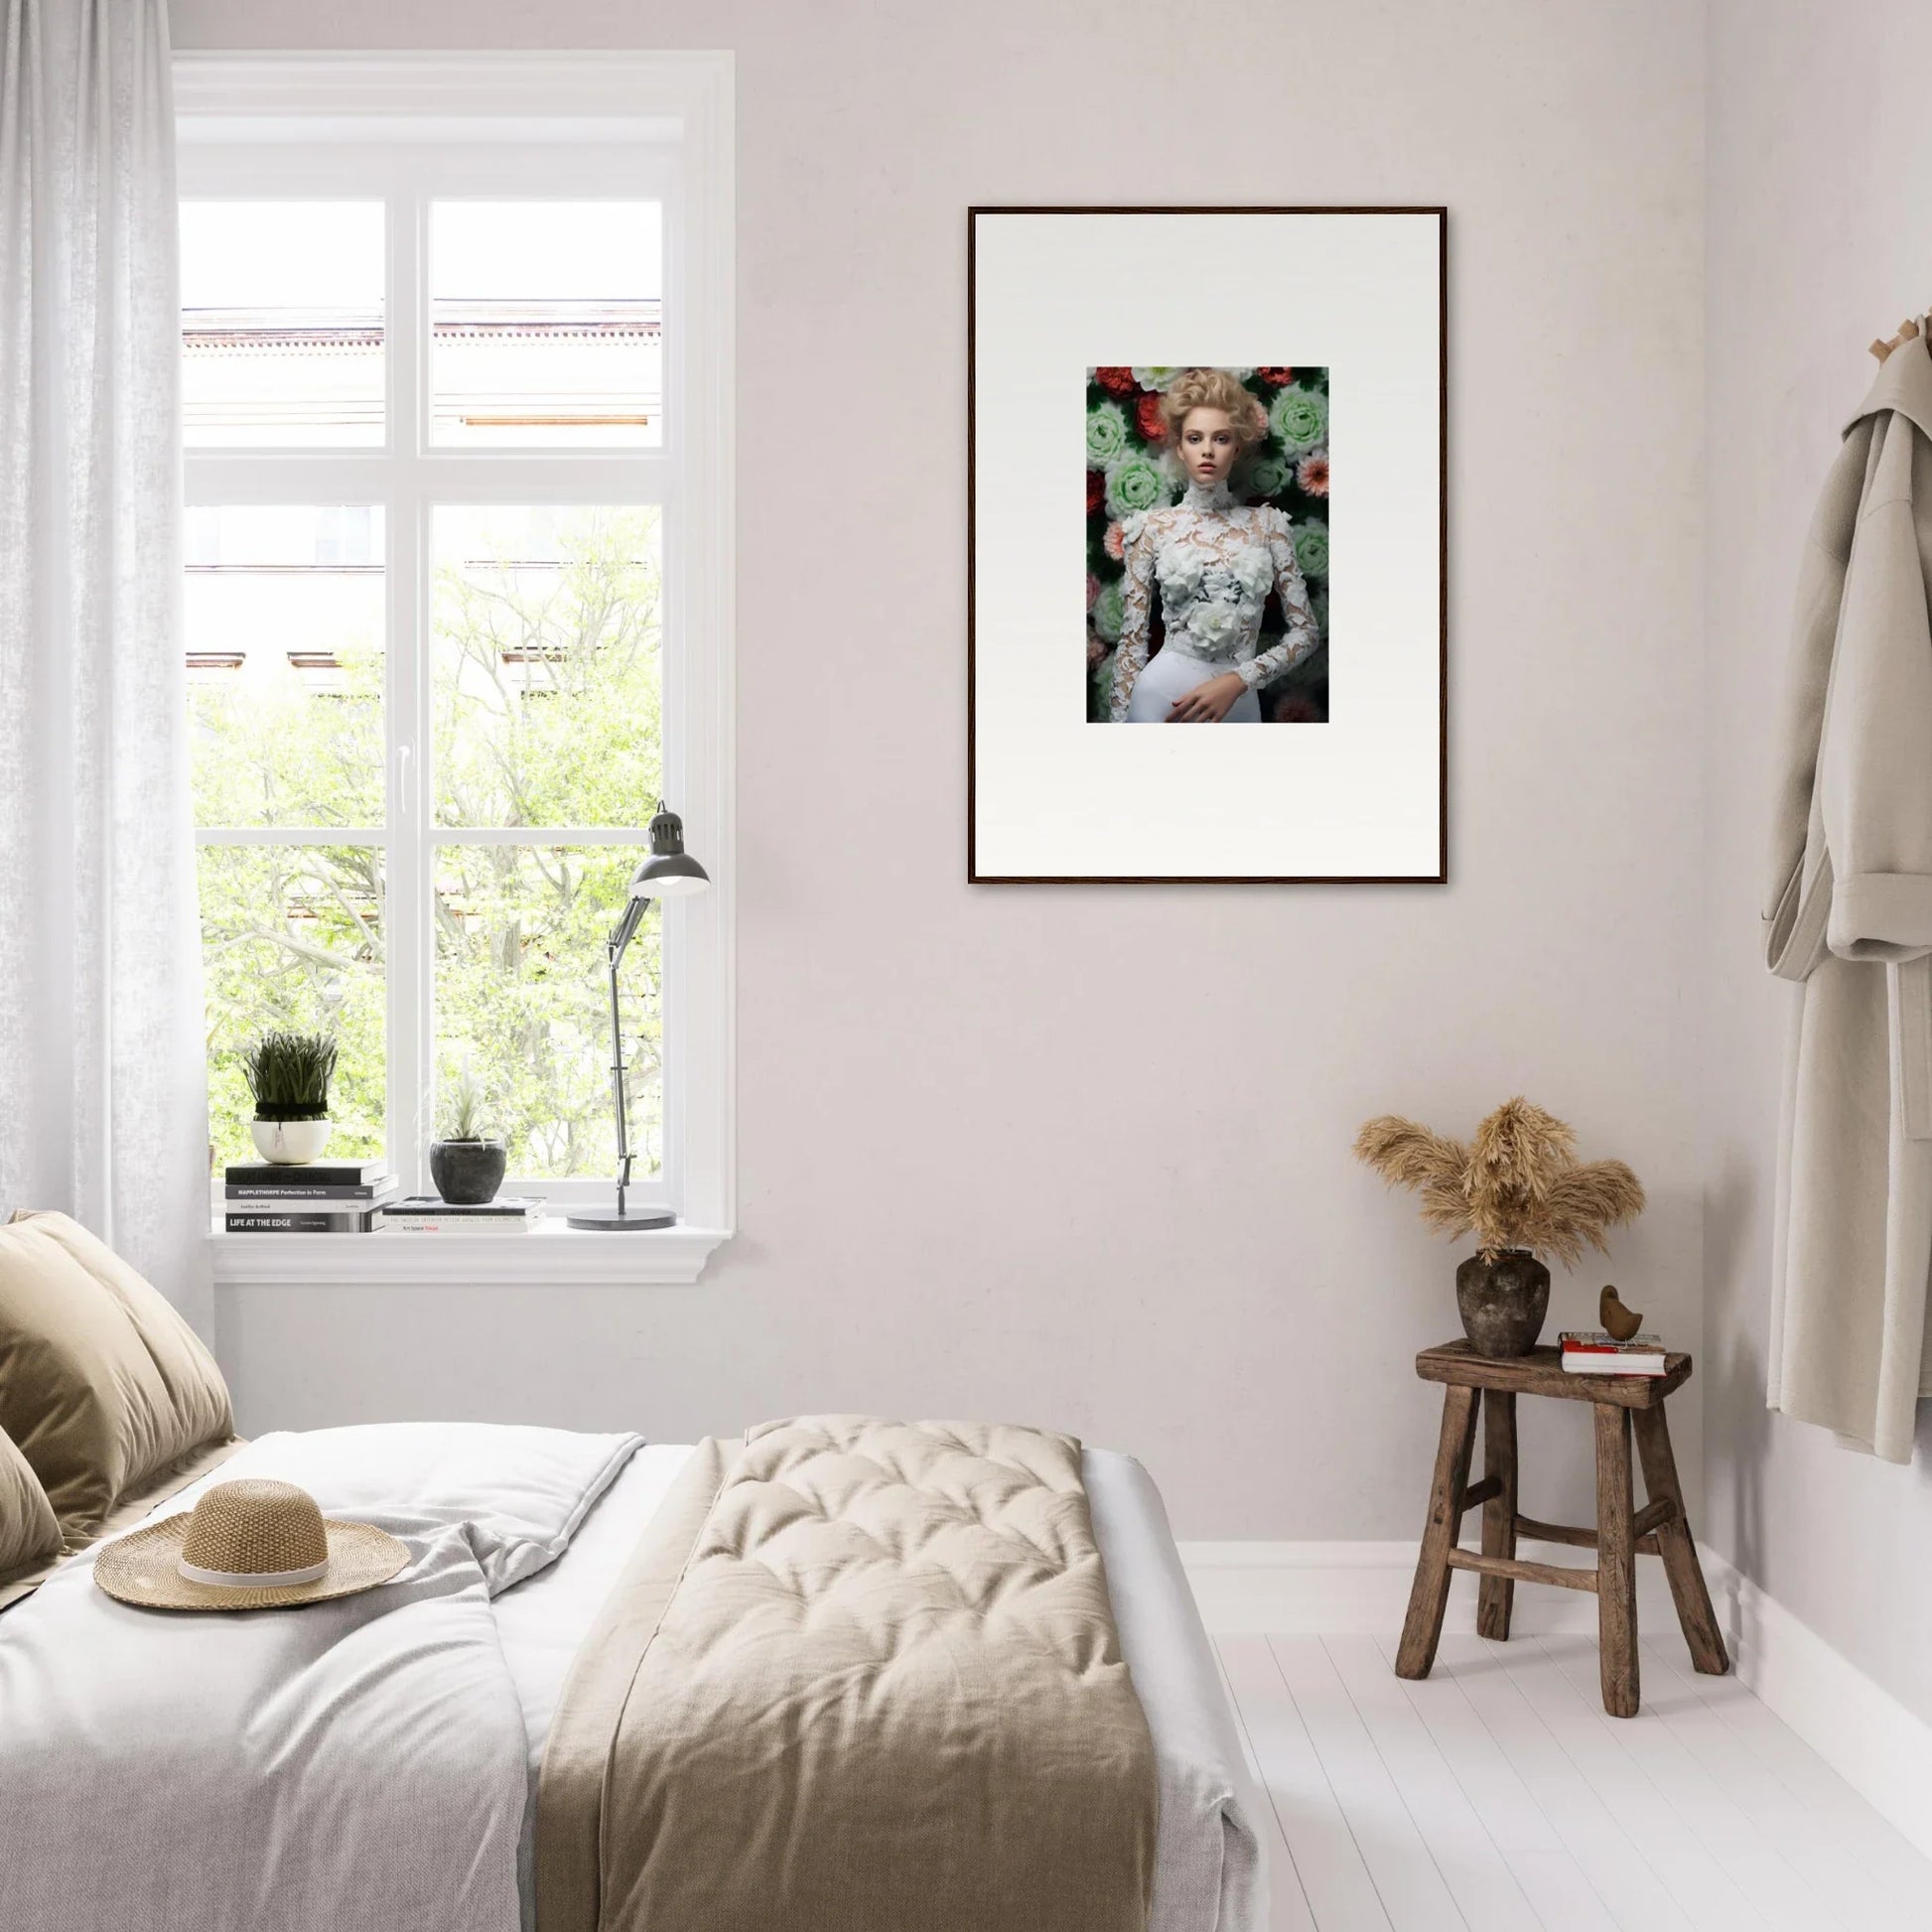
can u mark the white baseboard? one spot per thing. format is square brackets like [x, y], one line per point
[1882, 1750]
[1879, 1746]
[1362, 1589]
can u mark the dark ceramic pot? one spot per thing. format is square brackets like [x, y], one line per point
[467, 1173]
[1503, 1302]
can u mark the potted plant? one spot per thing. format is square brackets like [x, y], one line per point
[289, 1074]
[1520, 1189]
[468, 1163]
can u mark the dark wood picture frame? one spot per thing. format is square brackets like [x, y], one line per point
[1440, 875]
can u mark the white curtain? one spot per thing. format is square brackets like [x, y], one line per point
[101, 1062]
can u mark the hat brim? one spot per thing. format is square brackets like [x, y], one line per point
[143, 1568]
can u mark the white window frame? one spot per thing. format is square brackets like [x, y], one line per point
[404, 129]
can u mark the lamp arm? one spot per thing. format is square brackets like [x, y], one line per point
[626, 927]
[615, 947]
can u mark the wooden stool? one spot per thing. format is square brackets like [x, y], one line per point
[1659, 1529]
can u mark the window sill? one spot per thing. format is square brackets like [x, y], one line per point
[550, 1256]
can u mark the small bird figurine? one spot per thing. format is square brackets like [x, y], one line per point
[1618, 1321]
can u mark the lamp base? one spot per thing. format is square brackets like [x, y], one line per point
[607, 1220]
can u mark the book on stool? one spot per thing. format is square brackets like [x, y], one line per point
[1595, 1351]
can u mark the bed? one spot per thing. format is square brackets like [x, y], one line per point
[842, 1674]
[518, 1623]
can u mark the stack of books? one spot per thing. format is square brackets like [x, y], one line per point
[1594, 1351]
[319, 1198]
[426, 1214]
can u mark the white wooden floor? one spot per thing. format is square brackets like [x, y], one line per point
[1496, 1795]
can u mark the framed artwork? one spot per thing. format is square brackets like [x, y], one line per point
[1254, 543]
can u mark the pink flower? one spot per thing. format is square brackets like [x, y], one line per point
[1313, 475]
[1115, 543]
[1093, 585]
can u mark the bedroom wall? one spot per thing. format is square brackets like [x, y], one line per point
[1816, 245]
[1080, 1156]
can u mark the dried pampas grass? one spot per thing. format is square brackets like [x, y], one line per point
[1517, 1184]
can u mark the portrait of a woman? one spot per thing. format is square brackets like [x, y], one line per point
[1215, 562]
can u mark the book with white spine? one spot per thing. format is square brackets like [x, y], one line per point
[426, 1214]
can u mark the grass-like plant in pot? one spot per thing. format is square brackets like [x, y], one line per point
[1519, 1188]
[468, 1163]
[289, 1075]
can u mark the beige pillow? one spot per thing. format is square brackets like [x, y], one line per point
[29, 1535]
[103, 1385]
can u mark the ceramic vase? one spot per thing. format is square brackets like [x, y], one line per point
[290, 1143]
[467, 1173]
[1503, 1302]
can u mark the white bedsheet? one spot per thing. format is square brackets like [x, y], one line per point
[352, 1766]
[1208, 1871]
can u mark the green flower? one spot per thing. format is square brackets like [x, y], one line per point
[1265, 476]
[1320, 602]
[1108, 612]
[1103, 684]
[1106, 434]
[1299, 417]
[1311, 548]
[1135, 482]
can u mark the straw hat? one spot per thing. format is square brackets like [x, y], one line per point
[249, 1545]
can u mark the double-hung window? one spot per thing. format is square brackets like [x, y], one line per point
[456, 356]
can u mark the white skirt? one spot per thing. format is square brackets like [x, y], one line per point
[1171, 674]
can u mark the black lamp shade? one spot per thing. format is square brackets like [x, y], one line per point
[670, 872]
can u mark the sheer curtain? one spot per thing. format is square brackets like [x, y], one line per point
[101, 1065]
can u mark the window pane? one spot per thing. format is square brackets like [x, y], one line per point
[547, 685]
[284, 629]
[281, 324]
[523, 1000]
[291, 937]
[546, 324]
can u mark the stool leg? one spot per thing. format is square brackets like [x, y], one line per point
[1422, 1629]
[1677, 1547]
[1497, 1596]
[1617, 1563]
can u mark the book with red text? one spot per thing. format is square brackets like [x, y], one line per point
[1592, 1352]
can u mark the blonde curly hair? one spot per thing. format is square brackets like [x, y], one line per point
[1195, 389]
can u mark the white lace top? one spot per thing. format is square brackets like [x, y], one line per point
[1215, 560]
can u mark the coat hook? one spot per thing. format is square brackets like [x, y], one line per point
[1908, 331]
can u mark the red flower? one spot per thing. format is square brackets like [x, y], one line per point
[1117, 382]
[1096, 491]
[1281, 378]
[1293, 709]
[1153, 426]
[1094, 589]
[1313, 475]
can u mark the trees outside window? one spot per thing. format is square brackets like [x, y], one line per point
[547, 712]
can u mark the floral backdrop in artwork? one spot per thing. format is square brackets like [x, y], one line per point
[1129, 468]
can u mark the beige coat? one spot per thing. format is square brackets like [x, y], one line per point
[1849, 915]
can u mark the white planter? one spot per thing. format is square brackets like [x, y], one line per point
[289, 1143]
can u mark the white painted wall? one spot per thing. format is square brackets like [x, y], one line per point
[1820, 237]
[1080, 1156]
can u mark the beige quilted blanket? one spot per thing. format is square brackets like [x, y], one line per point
[863, 1676]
